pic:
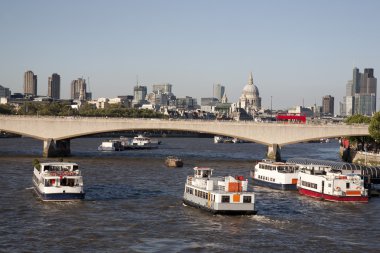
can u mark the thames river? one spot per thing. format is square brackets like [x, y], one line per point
[134, 204]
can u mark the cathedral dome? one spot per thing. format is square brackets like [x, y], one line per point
[250, 90]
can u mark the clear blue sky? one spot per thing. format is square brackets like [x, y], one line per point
[297, 50]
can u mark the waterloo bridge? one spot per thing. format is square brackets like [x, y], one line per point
[56, 132]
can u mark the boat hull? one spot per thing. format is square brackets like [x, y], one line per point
[59, 196]
[174, 163]
[283, 187]
[333, 198]
[224, 212]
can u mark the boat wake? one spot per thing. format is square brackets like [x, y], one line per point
[266, 220]
[29, 188]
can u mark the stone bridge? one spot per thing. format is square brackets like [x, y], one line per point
[56, 132]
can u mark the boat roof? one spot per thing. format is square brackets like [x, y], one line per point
[202, 168]
[58, 163]
[271, 162]
[373, 171]
[332, 164]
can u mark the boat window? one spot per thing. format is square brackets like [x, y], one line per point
[75, 167]
[329, 185]
[247, 199]
[347, 185]
[225, 199]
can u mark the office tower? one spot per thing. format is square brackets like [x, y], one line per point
[54, 86]
[362, 98]
[78, 90]
[219, 91]
[4, 92]
[328, 105]
[139, 95]
[356, 76]
[165, 88]
[30, 83]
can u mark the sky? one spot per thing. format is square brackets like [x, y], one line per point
[298, 51]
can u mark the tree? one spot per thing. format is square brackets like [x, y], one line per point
[374, 127]
[362, 141]
[358, 119]
[6, 109]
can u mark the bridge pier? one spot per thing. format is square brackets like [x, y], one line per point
[274, 152]
[56, 148]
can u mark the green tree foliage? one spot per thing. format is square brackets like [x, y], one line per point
[358, 119]
[374, 127]
[47, 109]
[361, 141]
[86, 110]
[111, 111]
[6, 109]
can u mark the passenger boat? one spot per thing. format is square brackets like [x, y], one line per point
[326, 184]
[143, 142]
[218, 195]
[276, 175]
[111, 145]
[58, 181]
[222, 139]
[173, 161]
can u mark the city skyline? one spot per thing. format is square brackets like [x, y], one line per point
[298, 52]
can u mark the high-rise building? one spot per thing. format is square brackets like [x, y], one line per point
[54, 86]
[30, 83]
[4, 92]
[161, 95]
[355, 81]
[139, 95]
[328, 105]
[162, 88]
[79, 90]
[361, 94]
[219, 91]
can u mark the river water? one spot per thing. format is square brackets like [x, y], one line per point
[134, 204]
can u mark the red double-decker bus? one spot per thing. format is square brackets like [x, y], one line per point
[292, 118]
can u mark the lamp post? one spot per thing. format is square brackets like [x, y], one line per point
[271, 108]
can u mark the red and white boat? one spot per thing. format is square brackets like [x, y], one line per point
[326, 184]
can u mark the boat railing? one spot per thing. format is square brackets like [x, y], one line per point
[221, 188]
[63, 173]
[190, 180]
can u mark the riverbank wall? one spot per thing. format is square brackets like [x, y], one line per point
[360, 157]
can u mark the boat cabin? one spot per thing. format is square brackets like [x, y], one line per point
[278, 166]
[316, 169]
[202, 172]
[59, 167]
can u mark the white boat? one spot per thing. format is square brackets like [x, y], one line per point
[111, 145]
[276, 175]
[143, 142]
[325, 184]
[218, 195]
[58, 181]
[218, 139]
[222, 139]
